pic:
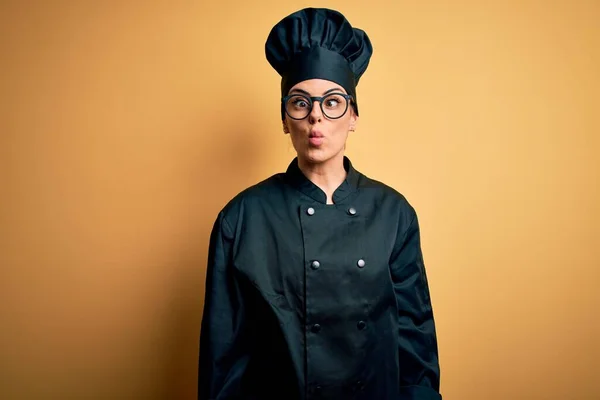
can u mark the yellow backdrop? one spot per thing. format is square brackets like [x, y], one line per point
[127, 125]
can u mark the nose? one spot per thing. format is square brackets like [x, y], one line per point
[315, 113]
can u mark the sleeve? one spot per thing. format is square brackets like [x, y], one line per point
[417, 342]
[223, 354]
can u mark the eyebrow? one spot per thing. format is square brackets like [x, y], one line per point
[308, 94]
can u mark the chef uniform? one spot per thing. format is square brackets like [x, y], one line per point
[308, 300]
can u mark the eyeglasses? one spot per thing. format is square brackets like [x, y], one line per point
[333, 105]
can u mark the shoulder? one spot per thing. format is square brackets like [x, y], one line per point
[385, 196]
[397, 209]
[255, 194]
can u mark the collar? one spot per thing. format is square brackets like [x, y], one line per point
[296, 178]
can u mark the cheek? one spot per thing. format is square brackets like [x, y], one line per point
[294, 127]
[341, 128]
[297, 132]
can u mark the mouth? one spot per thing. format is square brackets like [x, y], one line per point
[316, 138]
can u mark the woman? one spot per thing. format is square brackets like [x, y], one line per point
[316, 286]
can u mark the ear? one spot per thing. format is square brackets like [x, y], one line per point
[353, 121]
[286, 130]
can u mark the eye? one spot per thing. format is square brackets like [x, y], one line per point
[333, 101]
[299, 102]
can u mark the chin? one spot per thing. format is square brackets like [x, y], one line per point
[317, 155]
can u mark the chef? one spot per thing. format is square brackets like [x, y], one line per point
[316, 287]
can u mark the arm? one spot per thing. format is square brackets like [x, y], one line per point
[417, 342]
[223, 342]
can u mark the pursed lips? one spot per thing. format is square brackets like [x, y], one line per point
[315, 138]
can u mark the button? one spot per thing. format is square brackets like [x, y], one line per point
[316, 328]
[310, 211]
[352, 211]
[315, 264]
[361, 263]
[361, 325]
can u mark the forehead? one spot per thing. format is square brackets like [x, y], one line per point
[317, 86]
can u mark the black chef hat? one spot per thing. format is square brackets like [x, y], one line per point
[318, 43]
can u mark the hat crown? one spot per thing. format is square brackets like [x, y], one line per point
[310, 28]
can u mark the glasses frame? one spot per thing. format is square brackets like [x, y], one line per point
[311, 100]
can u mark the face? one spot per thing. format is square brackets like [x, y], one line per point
[317, 138]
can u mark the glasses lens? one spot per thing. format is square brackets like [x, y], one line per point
[334, 105]
[298, 107]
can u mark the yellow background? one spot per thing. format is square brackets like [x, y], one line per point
[127, 125]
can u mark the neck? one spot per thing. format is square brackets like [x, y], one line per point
[327, 175]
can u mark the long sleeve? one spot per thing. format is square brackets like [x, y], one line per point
[417, 351]
[223, 354]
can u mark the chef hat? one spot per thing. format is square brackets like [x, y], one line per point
[318, 43]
